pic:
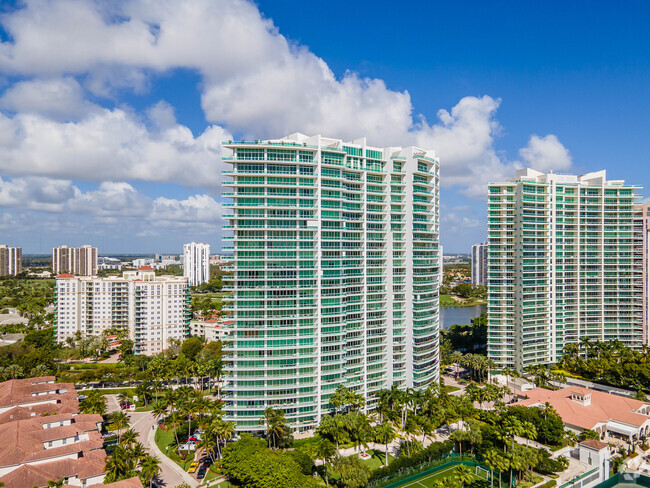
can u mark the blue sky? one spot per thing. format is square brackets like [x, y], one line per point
[112, 114]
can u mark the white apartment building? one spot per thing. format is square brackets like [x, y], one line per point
[75, 260]
[479, 264]
[213, 329]
[336, 274]
[153, 308]
[11, 260]
[196, 262]
[562, 264]
[109, 263]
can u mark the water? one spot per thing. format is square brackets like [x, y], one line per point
[460, 315]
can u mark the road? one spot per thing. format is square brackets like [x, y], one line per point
[171, 474]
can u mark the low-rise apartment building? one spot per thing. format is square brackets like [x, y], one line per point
[154, 309]
[44, 439]
[25, 398]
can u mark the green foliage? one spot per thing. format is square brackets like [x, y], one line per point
[250, 464]
[548, 484]
[41, 339]
[191, 347]
[434, 451]
[467, 338]
[546, 465]
[589, 434]
[547, 423]
[94, 403]
[608, 362]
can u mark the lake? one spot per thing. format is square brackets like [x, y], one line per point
[460, 315]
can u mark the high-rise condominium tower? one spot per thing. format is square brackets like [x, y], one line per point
[196, 262]
[11, 260]
[336, 274]
[561, 266]
[479, 264]
[76, 260]
[642, 228]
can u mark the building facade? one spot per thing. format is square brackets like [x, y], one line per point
[80, 261]
[561, 266]
[336, 273]
[196, 262]
[11, 260]
[479, 264]
[153, 308]
[642, 229]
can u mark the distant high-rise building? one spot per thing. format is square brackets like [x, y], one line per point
[336, 273]
[153, 308]
[479, 264]
[196, 262]
[642, 229]
[80, 261]
[11, 260]
[561, 266]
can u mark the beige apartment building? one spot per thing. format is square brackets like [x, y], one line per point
[11, 260]
[154, 309]
[75, 260]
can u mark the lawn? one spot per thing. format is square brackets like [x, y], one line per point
[376, 460]
[449, 301]
[163, 439]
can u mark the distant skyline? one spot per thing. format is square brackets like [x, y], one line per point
[112, 114]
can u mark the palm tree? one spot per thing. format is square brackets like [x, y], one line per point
[456, 357]
[150, 469]
[385, 434]
[129, 437]
[13, 371]
[39, 370]
[120, 421]
[325, 450]
[275, 425]
[334, 428]
[159, 410]
[463, 475]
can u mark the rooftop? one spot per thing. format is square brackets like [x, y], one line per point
[90, 465]
[32, 390]
[603, 407]
[24, 440]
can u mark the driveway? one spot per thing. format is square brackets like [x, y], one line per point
[171, 474]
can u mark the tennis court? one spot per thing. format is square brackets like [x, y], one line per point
[427, 481]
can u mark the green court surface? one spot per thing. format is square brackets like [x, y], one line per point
[427, 481]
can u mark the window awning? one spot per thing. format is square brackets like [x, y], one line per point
[621, 428]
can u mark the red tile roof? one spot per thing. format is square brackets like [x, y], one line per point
[63, 276]
[604, 406]
[28, 476]
[33, 390]
[594, 444]
[67, 404]
[23, 440]
[129, 483]
[145, 268]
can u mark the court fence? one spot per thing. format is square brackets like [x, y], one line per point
[412, 473]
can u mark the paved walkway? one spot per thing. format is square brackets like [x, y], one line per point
[171, 473]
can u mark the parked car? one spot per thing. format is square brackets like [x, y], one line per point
[193, 467]
[200, 474]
